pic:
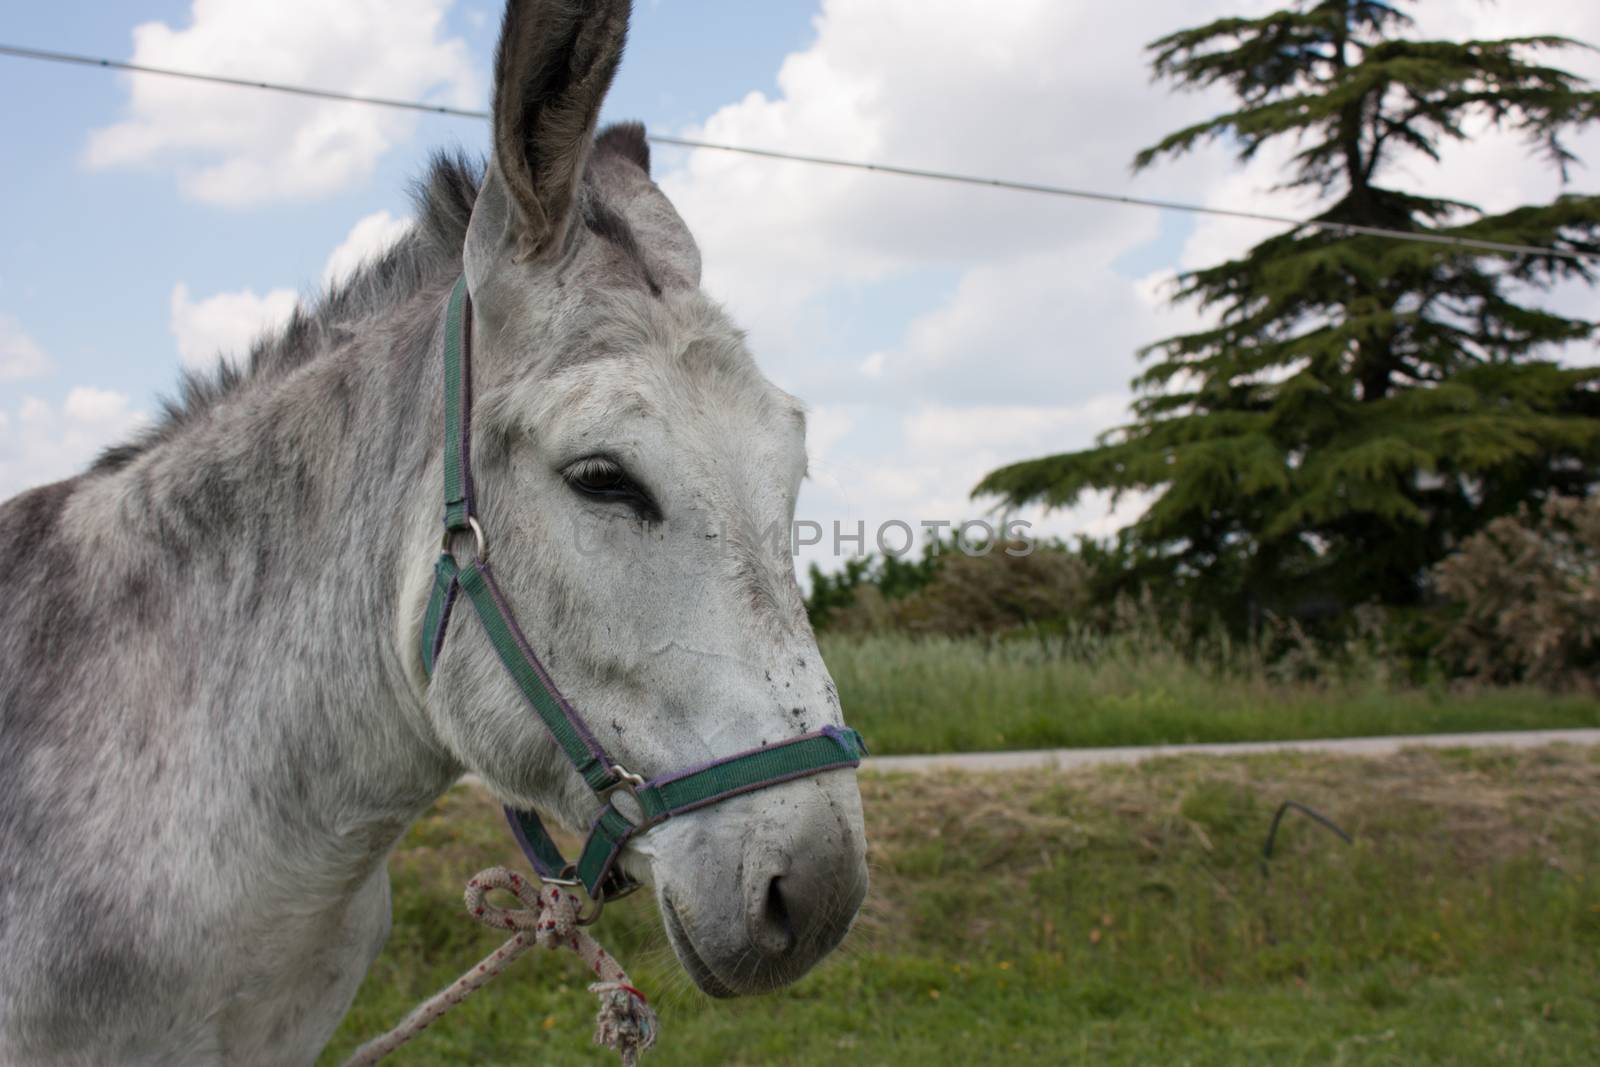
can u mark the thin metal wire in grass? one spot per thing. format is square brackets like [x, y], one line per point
[1310, 813]
[1272, 837]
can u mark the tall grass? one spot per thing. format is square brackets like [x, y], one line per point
[1140, 686]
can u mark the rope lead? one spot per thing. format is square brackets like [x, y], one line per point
[625, 1022]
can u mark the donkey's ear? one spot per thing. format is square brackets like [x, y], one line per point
[553, 66]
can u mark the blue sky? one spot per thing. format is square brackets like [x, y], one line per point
[935, 331]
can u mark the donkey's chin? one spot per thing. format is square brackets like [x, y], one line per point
[698, 970]
[739, 972]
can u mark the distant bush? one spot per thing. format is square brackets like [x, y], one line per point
[1526, 592]
[962, 595]
[833, 596]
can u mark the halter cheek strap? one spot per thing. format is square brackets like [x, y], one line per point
[658, 799]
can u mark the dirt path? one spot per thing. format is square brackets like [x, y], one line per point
[1061, 758]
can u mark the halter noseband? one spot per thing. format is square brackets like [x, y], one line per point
[658, 799]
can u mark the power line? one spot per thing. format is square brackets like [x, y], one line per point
[1348, 229]
[238, 83]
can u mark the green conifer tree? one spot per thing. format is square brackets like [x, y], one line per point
[1362, 403]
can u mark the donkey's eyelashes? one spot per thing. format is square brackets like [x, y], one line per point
[598, 476]
[603, 478]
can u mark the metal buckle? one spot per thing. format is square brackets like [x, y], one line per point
[482, 545]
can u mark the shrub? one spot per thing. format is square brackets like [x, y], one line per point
[870, 580]
[1526, 593]
[968, 595]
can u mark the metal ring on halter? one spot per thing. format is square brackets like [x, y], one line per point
[629, 888]
[601, 899]
[481, 546]
[594, 916]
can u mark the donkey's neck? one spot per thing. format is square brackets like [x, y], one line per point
[287, 531]
[213, 721]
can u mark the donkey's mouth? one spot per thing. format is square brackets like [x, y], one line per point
[699, 971]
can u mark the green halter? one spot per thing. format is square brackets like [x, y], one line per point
[658, 799]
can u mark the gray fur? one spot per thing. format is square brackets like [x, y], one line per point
[214, 724]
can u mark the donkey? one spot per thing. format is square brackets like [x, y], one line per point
[215, 721]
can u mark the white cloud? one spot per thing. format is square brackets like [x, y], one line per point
[942, 84]
[233, 146]
[88, 406]
[1031, 348]
[825, 428]
[41, 443]
[881, 466]
[1051, 327]
[20, 355]
[948, 432]
[224, 325]
[368, 238]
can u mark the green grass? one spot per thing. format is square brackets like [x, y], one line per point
[944, 695]
[1113, 916]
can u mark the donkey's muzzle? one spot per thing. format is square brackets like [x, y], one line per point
[799, 903]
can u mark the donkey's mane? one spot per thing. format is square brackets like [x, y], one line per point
[428, 255]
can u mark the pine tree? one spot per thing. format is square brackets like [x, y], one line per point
[1362, 403]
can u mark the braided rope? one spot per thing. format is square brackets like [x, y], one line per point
[549, 918]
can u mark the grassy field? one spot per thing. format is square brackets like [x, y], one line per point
[1113, 916]
[943, 695]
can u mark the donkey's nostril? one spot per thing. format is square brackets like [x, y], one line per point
[773, 928]
[800, 885]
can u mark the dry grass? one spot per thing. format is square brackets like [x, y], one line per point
[1114, 915]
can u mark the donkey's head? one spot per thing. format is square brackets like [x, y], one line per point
[637, 477]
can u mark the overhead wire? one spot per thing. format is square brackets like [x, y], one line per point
[1039, 188]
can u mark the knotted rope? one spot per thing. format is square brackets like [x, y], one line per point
[624, 1023]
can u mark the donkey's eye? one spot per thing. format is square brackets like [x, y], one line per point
[603, 478]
